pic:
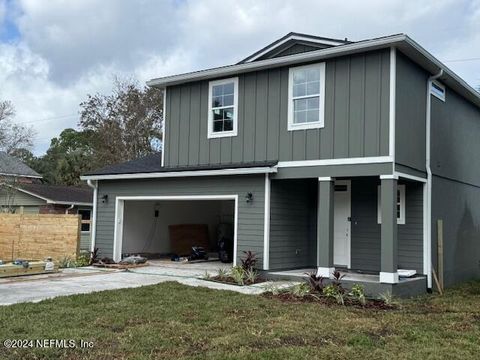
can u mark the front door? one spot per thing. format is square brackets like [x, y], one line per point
[341, 228]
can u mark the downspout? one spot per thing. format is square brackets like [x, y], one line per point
[93, 226]
[428, 229]
[69, 208]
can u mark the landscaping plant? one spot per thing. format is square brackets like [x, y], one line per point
[249, 261]
[238, 274]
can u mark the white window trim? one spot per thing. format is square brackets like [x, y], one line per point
[436, 94]
[234, 132]
[86, 221]
[321, 121]
[401, 219]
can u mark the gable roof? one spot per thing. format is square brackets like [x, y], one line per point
[399, 41]
[11, 166]
[59, 194]
[291, 39]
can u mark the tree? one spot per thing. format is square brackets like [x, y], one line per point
[13, 136]
[69, 156]
[126, 124]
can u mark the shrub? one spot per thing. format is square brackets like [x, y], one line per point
[300, 290]
[93, 256]
[251, 276]
[83, 259]
[238, 274]
[358, 293]
[249, 261]
[66, 262]
[315, 282]
[222, 273]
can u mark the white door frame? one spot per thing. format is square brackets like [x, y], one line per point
[119, 214]
[349, 222]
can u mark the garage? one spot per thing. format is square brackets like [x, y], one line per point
[169, 227]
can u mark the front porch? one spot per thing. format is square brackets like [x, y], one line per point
[366, 227]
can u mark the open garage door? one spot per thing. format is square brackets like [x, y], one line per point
[169, 227]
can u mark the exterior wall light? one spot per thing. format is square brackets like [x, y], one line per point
[105, 198]
[249, 197]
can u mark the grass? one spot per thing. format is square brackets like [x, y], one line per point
[170, 320]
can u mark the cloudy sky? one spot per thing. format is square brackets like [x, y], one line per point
[54, 52]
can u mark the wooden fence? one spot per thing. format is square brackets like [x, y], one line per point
[35, 237]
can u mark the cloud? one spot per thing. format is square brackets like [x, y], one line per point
[67, 49]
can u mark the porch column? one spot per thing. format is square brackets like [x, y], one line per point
[389, 244]
[325, 227]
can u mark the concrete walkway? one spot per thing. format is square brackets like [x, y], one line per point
[88, 280]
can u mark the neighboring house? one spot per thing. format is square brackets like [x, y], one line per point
[12, 169]
[322, 153]
[22, 192]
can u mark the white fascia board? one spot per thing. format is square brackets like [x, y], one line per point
[192, 173]
[69, 203]
[294, 37]
[342, 161]
[232, 70]
[22, 176]
[32, 194]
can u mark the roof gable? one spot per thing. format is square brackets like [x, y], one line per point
[11, 166]
[293, 43]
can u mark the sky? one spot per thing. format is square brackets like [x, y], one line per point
[55, 52]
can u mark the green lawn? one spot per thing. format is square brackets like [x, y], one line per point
[175, 321]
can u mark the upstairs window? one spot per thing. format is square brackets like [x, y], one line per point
[222, 108]
[438, 90]
[400, 205]
[306, 97]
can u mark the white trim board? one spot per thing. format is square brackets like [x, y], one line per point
[188, 173]
[272, 47]
[119, 214]
[342, 161]
[392, 101]
[266, 225]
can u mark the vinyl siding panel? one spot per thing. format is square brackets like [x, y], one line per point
[292, 224]
[250, 215]
[356, 117]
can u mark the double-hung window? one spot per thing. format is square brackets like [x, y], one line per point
[400, 205]
[222, 108]
[306, 97]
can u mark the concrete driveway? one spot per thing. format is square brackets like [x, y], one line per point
[87, 280]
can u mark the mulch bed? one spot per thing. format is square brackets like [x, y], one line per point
[230, 281]
[373, 304]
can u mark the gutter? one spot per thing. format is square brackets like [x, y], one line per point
[428, 228]
[93, 225]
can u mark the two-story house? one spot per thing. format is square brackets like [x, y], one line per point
[320, 153]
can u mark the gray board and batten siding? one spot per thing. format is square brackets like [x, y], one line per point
[456, 185]
[356, 117]
[250, 235]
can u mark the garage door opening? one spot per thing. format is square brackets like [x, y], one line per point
[167, 228]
